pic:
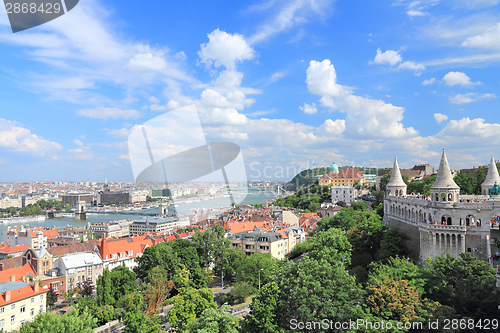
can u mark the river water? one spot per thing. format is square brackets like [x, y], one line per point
[254, 196]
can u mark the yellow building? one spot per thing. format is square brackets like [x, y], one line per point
[347, 177]
[20, 302]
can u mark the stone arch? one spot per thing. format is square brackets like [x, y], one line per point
[430, 217]
[469, 220]
[450, 197]
[388, 192]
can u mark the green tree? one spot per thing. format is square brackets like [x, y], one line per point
[123, 281]
[264, 311]
[188, 256]
[105, 289]
[231, 260]
[157, 291]
[211, 244]
[315, 290]
[393, 244]
[160, 254]
[212, 321]
[73, 322]
[189, 304]
[241, 291]
[249, 269]
[331, 245]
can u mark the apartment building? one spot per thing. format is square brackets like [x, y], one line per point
[20, 302]
[263, 241]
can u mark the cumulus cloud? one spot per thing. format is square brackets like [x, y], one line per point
[470, 97]
[335, 127]
[106, 113]
[467, 127]
[309, 108]
[439, 117]
[490, 39]
[369, 118]
[17, 138]
[225, 49]
[458, 78]
[428, 81]
[412, 66]
[390, 57]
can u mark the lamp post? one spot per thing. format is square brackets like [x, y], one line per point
[222, 279]
[259, 276]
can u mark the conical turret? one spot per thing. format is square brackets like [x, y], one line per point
[492, 177]
[396, 186]
[444, 188]
[444, 179]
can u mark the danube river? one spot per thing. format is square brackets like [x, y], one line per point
[254, 196]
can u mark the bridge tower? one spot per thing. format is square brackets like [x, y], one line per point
[80, 213]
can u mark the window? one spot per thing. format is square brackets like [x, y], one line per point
[130, 252]
[113, 256]
[22, 322]
[2, 324]
[12, 319]
[41, 308]
[32, 299]
[23, 309]
[2, 310]
[13, 306]
[55, 287]
[41, 297]
[32, 312]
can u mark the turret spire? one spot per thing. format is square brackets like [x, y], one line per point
[444, 178]
[492, 177]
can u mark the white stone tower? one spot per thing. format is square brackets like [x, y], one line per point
[492, 177]
[396, 186]
[445, 188]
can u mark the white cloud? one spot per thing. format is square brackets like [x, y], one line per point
[106, 113]
[467, 127]
[458, 78]
[490, 39]
[235, 136]
[368, 118]
[412, 66]
[470, 97]
[439, 117]
[335, 127]
[17, 138]
[154, 100]
[119, 133]
[322, 80]
[428, 81]
[390, 57]
[83, 153]
[288, 14]
[414, 13]
[225, 49]
[78, 142]
[308, 108]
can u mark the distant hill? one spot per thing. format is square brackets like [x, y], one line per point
[305, 178]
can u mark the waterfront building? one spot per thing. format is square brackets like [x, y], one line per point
[156, 224]
[444, 221]
[73, 198]
[36, 238]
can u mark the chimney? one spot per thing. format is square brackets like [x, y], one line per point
[1, 266]
[7, 296]
[12, 278]
[36, 287]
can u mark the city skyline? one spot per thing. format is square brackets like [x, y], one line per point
[293, 83]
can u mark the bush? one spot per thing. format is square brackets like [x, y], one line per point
[227, 298]
[241, 291]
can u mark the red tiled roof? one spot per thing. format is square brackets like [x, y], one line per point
[17, 272]
[17, 248]
[135, 244]
[22, 293]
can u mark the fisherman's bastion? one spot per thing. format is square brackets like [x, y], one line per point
[445, 220]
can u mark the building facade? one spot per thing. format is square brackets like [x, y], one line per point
[20, 302]
[347, 194]
[156, 224]
[445, 221]
[263, 241]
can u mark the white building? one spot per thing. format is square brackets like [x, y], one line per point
[344, 193]
[79, 268]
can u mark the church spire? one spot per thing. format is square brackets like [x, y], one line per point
[444, 179]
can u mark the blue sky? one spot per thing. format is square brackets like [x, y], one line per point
[293, 83]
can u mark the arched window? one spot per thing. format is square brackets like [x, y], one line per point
[448, 220]
[450, 197]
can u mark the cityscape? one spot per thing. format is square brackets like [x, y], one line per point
[273, 166]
